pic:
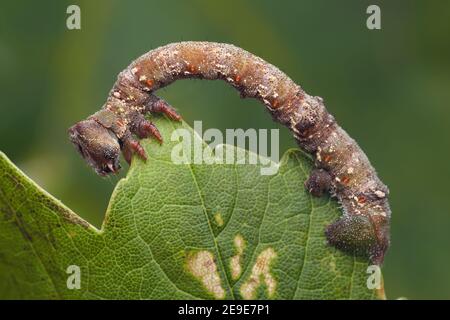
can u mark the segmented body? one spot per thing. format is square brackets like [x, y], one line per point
[343, 168]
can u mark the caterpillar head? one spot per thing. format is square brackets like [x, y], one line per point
[98, 146]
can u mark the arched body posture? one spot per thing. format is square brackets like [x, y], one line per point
[342, 167]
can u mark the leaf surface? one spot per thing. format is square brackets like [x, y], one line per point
[178, 231]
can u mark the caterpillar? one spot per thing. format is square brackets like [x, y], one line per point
[341, 167]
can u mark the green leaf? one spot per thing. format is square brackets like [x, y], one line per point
[178, 232]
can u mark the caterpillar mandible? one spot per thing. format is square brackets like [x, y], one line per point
[342, 168]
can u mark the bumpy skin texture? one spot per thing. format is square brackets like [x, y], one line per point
[343, 168]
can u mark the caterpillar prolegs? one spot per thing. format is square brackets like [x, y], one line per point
[342, 168]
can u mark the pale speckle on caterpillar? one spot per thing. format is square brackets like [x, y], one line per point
[342, 167]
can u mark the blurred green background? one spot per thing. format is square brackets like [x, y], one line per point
[389, 88]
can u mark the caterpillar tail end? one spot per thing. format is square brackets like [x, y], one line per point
[360, 235]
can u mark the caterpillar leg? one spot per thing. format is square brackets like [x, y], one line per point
[144, 128]
[158, 105]
[319, 182]
[132, 146]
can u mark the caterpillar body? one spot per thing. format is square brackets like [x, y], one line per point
[342, 168]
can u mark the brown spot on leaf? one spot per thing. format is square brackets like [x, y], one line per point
[235, 262]
[218, 218]
[202, 266]
[260, 274]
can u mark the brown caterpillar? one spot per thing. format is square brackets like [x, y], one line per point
[342, 167]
